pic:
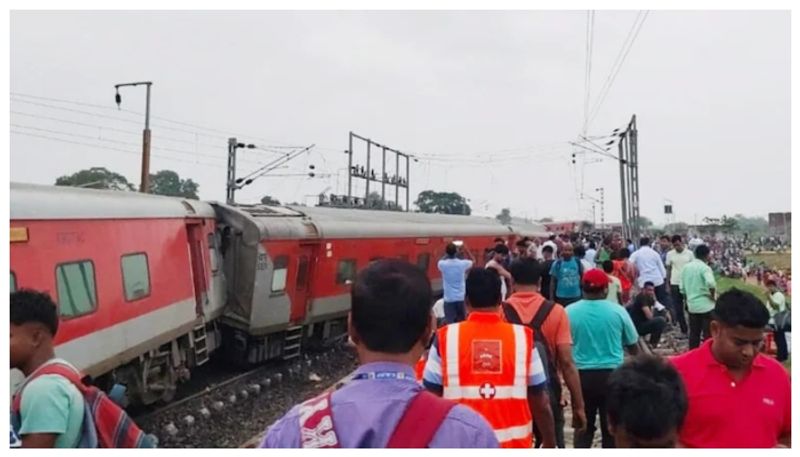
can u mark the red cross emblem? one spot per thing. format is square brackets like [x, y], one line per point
[487, 391]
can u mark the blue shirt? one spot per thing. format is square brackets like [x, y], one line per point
[569, 280]
[600, 329]
[366, 412]
[453, 278]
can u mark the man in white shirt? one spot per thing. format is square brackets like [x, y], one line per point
[650, 268]
[776, 303]
[677, 257]
[591, 253]
[551, 241]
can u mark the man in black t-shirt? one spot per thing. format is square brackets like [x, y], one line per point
[546, 263]
[644, 318]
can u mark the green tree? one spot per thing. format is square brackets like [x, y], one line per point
[96, 178]
[167, 182]
[676, 228]
[430, 201]
[504, 217]
[755, 226]
[645, 222]
[267, 200]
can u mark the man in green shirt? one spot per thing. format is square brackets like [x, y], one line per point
[699, 287]
[51, 409]
[776, 303]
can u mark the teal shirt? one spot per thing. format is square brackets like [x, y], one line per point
[600, 330]
[697, 280]
[51, 404]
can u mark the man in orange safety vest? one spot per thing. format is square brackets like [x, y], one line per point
[492, 367]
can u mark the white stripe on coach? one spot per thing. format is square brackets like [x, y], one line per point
[514, 433]
[452, 356]
[473, 392]
[520, 355]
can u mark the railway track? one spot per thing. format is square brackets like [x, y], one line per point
[230, 412]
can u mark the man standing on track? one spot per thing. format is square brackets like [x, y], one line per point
[453, 272]
[677, 258]
[738, 397]
[390, 323]
[699, 287]
[492, 367]
[565, 277]
[600, 330]
[551, 328]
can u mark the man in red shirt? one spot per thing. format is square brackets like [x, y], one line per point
[738, 398]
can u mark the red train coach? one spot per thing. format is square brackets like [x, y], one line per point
[289, 268]
[135, 278]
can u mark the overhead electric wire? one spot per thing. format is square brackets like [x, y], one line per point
[633, 33]
[588, 67]
[110, 148]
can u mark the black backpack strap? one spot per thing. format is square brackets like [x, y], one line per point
[542, 314]
[511, 314]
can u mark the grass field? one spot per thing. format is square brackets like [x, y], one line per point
[781, 261]
[724, 284]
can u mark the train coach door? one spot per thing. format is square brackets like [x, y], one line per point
[302, 292]
[194, 232]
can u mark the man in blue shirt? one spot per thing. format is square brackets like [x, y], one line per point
[565, 277]
[453, 279]
[600, 329]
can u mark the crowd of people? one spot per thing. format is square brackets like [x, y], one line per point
[489, 368]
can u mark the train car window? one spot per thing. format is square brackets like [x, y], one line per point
[423, 261]
[135, 276]
[302, 273]
[13, 282]
[346, 271]
[279, 270]
[77, 292]
[212, 253]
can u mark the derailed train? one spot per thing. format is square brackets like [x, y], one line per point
[149, 286]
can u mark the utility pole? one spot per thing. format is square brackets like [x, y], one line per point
[230, 197]
[145, 182]
[232, 185]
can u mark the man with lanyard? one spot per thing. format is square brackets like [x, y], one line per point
[492, 367]
[738, 397]
[390, 323]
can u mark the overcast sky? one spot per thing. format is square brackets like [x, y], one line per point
[488, 100]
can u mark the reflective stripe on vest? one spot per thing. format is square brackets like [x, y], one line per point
[501, 395]
[476, 392]
[514, 433]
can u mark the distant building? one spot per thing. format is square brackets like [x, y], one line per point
[780, 225]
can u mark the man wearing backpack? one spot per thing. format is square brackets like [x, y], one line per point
[51, 408]
[553, 340]
[383, 406]
[565, 277]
